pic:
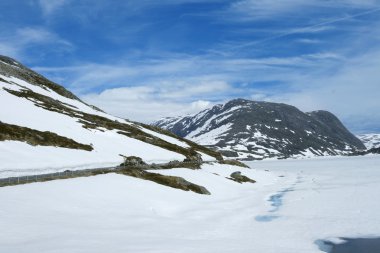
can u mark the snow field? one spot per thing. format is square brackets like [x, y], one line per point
[123, 214]
[308, 200]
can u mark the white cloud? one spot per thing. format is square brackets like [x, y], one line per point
[147, 103]
[352, 93]
[50, 6]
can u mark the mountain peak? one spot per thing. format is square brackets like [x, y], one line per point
[248, 129]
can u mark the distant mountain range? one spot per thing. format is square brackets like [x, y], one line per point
[370, 140]
[44, 127]
[251, 130]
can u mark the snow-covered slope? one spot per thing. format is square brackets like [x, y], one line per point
[45, 127]
[370, 140]
[247, 129]
[294, 204]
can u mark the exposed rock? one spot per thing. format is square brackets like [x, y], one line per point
[133, 161]
[197, 158]
[235, 163]
[367, 152]
[238, 177]
[171, 181]
[34, 137]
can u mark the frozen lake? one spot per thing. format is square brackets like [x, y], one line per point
[293, 205]
[331, 197]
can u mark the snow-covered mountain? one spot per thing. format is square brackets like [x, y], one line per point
[370, 140]
[249, 130]
[44, 127]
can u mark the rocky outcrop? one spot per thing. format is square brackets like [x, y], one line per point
[171, 181]
[238, 177]
[9, 132]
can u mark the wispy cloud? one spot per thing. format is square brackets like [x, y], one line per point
[315, 28]
[147, 90]
[176, 72]
[22, 39]
[248, 10]
[309, 41]
[37, 35]
[50, 6]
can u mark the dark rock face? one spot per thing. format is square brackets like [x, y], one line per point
[250, 130]
[333, 125]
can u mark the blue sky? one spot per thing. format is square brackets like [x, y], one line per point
[147, 59]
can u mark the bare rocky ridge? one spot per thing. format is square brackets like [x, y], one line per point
[251, 130]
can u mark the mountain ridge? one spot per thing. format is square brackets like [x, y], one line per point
[250, 130]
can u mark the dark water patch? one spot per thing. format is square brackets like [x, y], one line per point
[351, 245]
[277, 199]
[276, 203]
[266, 218]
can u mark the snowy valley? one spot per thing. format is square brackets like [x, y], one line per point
[293, 207]
[189, 126]
[218, 205]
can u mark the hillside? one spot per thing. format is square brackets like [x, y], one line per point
[250, 130]
[44, 128]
